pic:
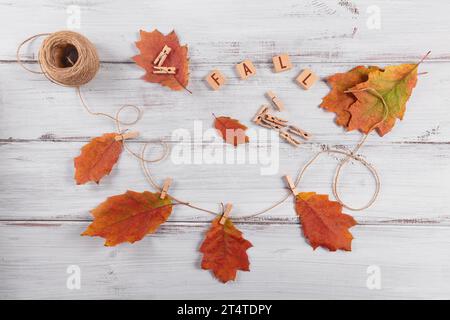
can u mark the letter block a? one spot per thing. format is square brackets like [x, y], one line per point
[245, 69]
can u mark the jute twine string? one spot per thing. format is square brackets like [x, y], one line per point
[69, 59]
[349, 155]
[66, 58]
[119, 129]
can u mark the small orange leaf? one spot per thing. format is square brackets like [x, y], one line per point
[231, 130]
[129, 217]
[337, 100]
[150, 46]
[323, 222]
[97, 158]
[224, 251]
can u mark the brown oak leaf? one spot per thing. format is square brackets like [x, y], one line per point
[323, 222]
[129, 217]
[224, 250]
[337, 100]
[97, 158]
[231, 130]
[150, 46]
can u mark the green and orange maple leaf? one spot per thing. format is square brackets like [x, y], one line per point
[129, 217]
[393, 87]
[370, 98]
[225, 251]
[338, 100]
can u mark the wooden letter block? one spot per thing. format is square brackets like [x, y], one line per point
[306, 79]
[246, 69]
[215, 79]
[281, 63]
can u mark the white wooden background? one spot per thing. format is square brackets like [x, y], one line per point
[42, 127]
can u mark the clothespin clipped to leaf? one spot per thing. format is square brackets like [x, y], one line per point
[226, 213]
[162, 56]
[291, 185]
[165, 188]
[164, 70]
[127, 135]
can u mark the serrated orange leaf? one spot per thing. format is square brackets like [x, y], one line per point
[150, 46]
[337, 100]
[395, 85]
[224, 251]
[129, 217]
[97, 158]
[231, 130]
[323, 222]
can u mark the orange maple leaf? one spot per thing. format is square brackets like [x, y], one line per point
[231, 130]
[129, 217]
[337, 100]
[97, 158]
[394, 85]
[224, 250]
[150, 46]
[323, 222]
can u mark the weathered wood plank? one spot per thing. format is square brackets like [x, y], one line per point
[227, 31]
[35, 256]
[42, 127]
[33, 108]
[37, 182]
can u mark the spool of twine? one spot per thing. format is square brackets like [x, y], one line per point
[67, 58]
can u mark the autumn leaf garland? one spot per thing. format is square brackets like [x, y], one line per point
[129, 217]
[364, 99]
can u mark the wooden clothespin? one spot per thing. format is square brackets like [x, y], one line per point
[162, 56]
[271, 124]
[296, 130]
[260, 114]
[225, 214]
[286, 136]
[164, 70]
[259, 117]
[263, 124]
[127, 135]
[271, 118]
[291, 185]
[165, 188]
[275, 100]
